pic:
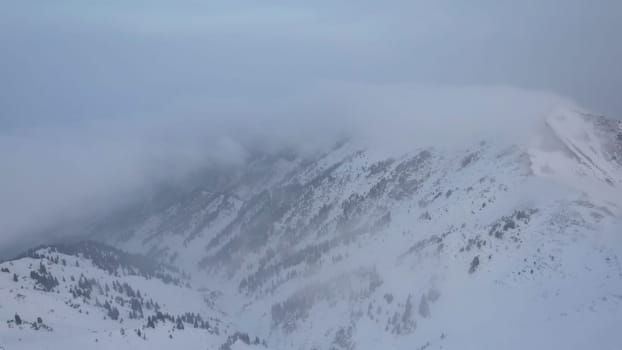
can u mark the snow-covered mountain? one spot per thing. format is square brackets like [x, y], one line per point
[88, 295]
[490, 245]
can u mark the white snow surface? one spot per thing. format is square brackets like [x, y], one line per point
[70, 322]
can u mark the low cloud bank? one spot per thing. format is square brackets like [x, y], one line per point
[63, 172]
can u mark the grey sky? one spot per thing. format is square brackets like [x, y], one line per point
[97, 98]
[75, 59]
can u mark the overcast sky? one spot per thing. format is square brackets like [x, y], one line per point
[98, 98]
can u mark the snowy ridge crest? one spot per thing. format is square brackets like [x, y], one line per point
[584, 152]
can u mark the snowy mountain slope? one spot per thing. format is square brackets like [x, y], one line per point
[87, 295]
[484, 246]
[363, 249]
[584, 152]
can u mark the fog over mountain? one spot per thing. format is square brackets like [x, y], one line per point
[101, 99]
[277, 162]
[68, 171]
